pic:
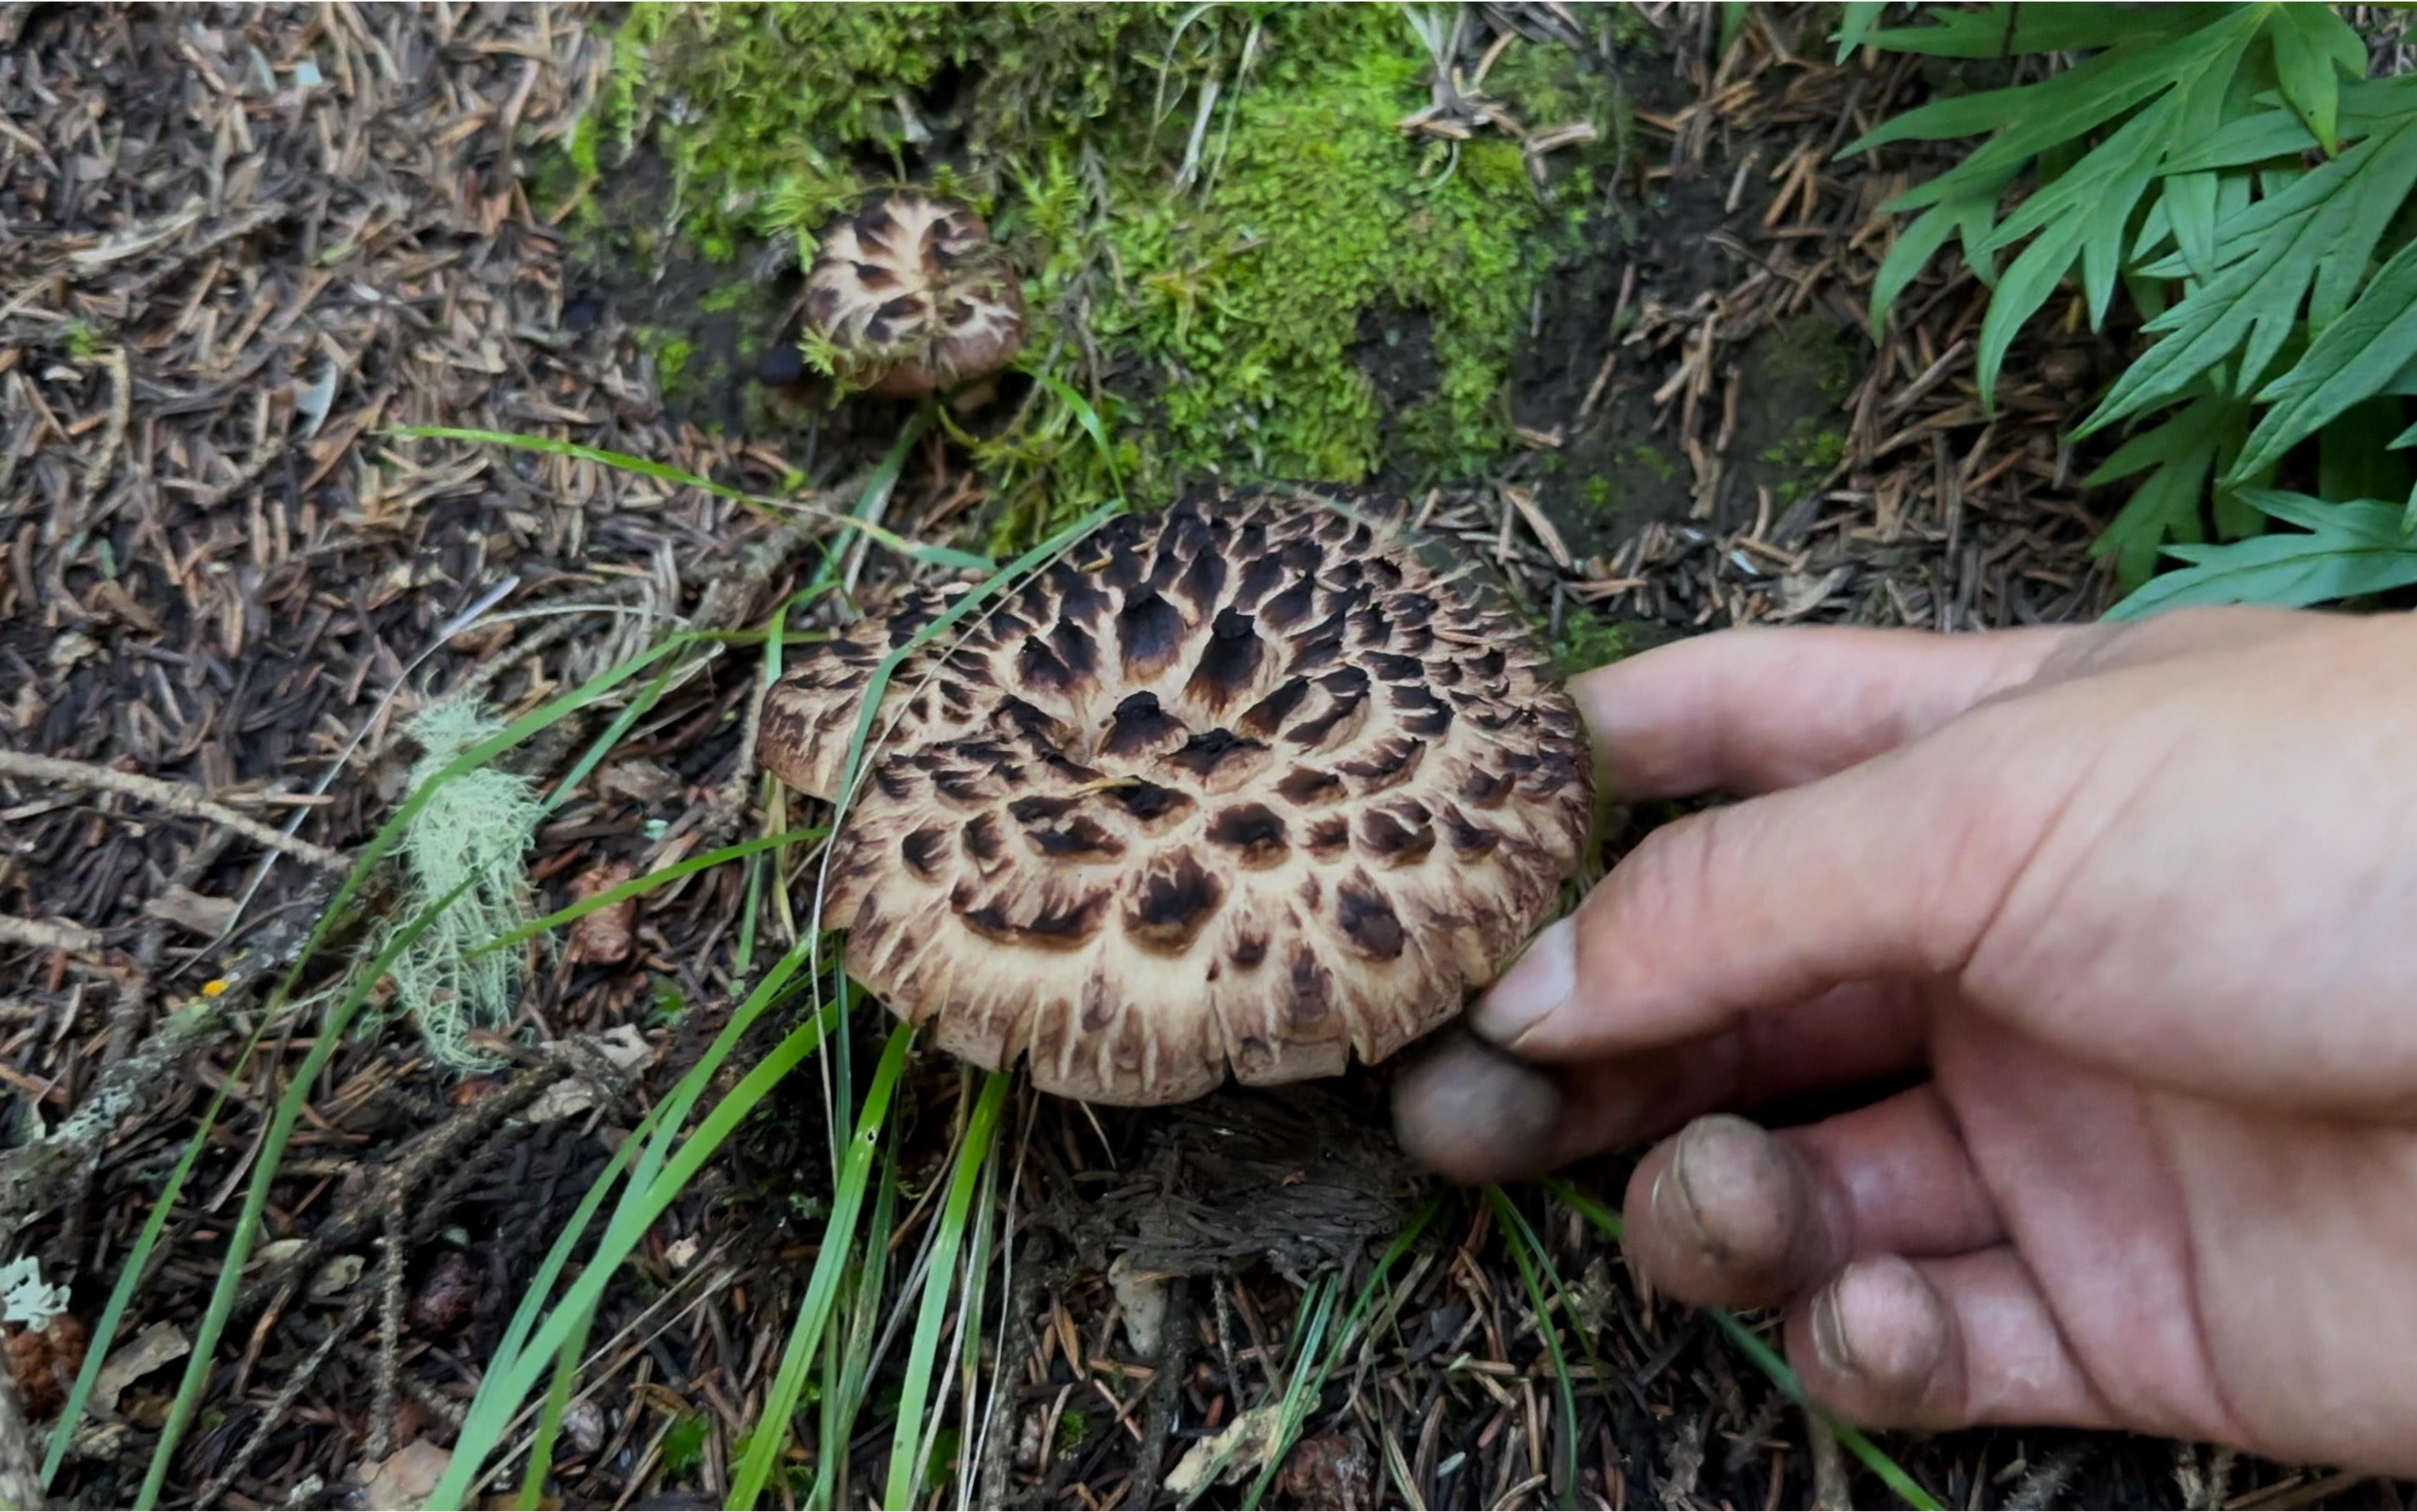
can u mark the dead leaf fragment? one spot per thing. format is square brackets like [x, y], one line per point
[335, 1277]
[152, 1348]
[602, 938]
[404, 1477]
[644, 780]
[192, 911]
[1242, 1445]
[623, 1046]
[1329, 1471]
[1142, 1294]
[44, 1363]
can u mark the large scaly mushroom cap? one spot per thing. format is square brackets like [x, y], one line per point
[914, 297]
[1247, 783]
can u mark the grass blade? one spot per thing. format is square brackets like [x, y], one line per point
[255, 1198]
[935, 555]
[1527, 1254]
[660, 877]
[906, 1449]
[529, 1344]
[1355, 1323]
[771, 1433]
[549, 1423]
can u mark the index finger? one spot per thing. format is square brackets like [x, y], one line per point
[1889, 869]
[1750, 710]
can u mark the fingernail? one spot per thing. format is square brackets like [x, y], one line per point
[1541, 981]
[1674, 1202]
[1830, 1343]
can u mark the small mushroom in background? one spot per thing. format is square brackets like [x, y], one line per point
[1243, 786]
[913, 298]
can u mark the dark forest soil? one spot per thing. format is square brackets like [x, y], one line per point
[238, 243]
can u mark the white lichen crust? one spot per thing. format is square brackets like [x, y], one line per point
[1246, 784]
[913, 298]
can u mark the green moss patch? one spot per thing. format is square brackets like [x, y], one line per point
[1232, 247]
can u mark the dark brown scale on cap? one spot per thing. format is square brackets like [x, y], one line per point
[1389, 762]
[1229, 663]
[1306, 787]
[1080, 838]
[1264, 719]
[1172, 905]
[1391, 841]
[1140, 728]
[1168, 812]
[1252, 832]
[1212, 756]
[922, 850]
[1149, 634]
[1153, 806]
[1368, 921]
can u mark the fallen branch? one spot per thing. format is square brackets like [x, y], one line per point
[178, 798]
[47, 934]
[37, 1177]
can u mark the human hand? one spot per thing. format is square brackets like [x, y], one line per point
[2142, 900]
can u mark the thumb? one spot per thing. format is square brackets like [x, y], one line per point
[1889, 869]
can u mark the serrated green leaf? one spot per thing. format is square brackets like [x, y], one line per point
[2321, 232]
[2354, 359]
[2313, 50]
[2371, 198]
[2372, 105]
[2130, 151]
[2035, 116]
[1860, 18]
[2207, 102]
[2027, 285]
[2013, 30]
[2344, 550]
[2110, 212]
[2165, 507]
[2252, 139]
[2179, 457]
[1914, 247]
[2205, 329]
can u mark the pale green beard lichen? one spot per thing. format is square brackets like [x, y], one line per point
[474, 834]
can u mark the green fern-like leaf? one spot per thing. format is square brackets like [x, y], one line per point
[2344, 548]
[2317, 238]
[2232, 169]
[2313, 50]
[2179, 456]
[2154, 90]
[2352, 360]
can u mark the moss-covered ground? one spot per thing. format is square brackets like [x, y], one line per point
[1235, 252]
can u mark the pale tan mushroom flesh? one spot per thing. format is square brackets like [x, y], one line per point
[1246, 785]
[914, 297]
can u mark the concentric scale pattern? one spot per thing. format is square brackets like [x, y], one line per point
[1243, 784]
[913, 297]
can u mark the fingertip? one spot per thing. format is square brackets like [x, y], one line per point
[1881, 1339]
[1722, 1214]
[1891, 1341]
[1536, 988]
[1472, 1114]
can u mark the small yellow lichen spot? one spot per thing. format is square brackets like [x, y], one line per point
[215, 986]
